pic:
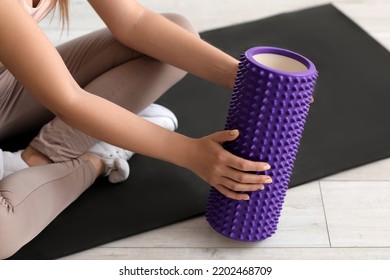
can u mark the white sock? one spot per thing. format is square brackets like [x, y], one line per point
[11, 162]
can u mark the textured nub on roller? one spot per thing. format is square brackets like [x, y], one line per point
[269, 106]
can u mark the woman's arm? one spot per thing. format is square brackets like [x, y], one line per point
[31, 58]
[154, 35]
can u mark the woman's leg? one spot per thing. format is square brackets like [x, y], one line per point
[105, 67]
[19, 111]
[31, 198]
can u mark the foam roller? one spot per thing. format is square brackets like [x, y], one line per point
[269, 106]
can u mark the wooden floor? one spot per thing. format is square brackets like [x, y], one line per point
[345, 216]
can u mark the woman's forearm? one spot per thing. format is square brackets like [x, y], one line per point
[156, 36]
[113, 124]
[174, 45]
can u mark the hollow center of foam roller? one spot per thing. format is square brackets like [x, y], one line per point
[280, 62]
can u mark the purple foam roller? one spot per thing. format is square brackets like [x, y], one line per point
[269, 107]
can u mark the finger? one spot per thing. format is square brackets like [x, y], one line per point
[312, 100]
[240, 187]
[225, 136]
[231, 194]
[246, 165]
[247, 178]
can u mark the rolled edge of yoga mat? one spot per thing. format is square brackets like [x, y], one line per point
[269, 106]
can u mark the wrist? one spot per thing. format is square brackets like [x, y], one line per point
[233, 74]
[180, 155]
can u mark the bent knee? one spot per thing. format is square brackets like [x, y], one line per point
[8, 237]
[181, 21]
[6, 249]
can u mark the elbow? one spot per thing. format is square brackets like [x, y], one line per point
[65, 105]
[125, 29]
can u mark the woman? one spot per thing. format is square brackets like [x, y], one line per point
[95, 86]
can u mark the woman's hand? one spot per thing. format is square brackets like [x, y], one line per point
[223, 170]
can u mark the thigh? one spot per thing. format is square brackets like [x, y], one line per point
[89, 56]
[90, 59]
[19, 110]
[104, 66]
[86, 57]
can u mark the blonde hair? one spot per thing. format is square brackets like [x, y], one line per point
[64, 11]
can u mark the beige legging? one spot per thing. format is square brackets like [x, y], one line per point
[31, 198]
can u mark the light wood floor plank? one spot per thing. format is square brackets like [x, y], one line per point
[302, 224]
[375, 171]
[234, 254]
[357, 213]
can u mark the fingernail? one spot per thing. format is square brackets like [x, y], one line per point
[246, 197]
[233, 132]
[267, 167]
[261, 187]
[268, 180]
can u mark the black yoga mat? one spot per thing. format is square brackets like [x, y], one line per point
[346, 127]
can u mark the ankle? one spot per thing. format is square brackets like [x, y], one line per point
[96, 161]
[34, 158]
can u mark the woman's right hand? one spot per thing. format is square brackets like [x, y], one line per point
[223, 170]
